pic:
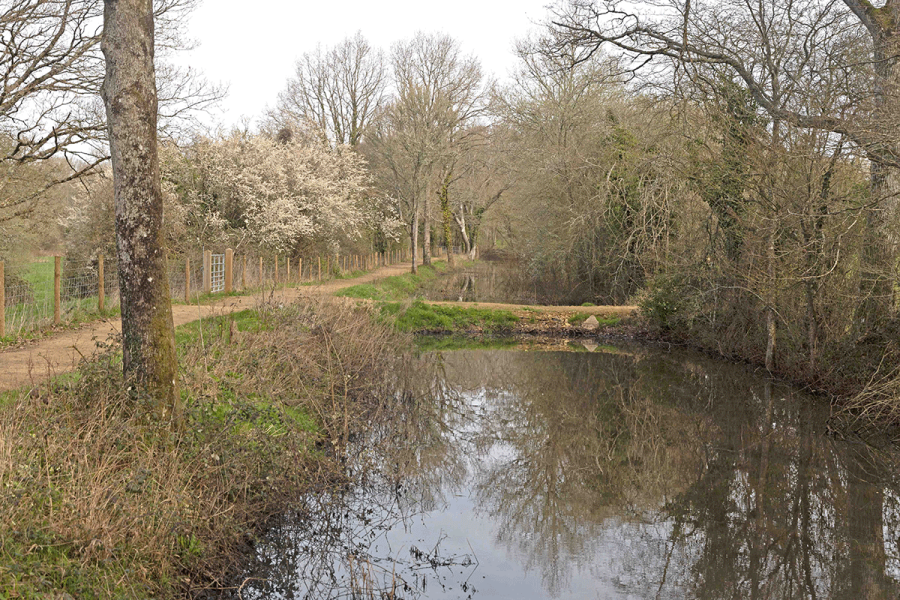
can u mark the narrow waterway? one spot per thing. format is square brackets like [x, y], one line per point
[616, 473]
[491, 281]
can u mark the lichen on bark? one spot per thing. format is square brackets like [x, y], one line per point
[129, 94]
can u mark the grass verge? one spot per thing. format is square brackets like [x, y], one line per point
[578, 319]
[421, 317]
[397, 287]
[97, 502]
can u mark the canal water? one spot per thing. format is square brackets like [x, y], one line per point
[600, 472]
[491, 281]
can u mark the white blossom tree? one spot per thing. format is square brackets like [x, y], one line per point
[280, 196]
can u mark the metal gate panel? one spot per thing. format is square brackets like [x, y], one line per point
[217, 273]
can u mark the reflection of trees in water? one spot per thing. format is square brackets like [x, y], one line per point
[668, 475]
[724, 484]
[399, 468]
[566, 448]
[490, 281]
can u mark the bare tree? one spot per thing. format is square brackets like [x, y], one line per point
[438, 92]
[789, 56]
[51, 70]
[129, 93]
[476, 180]
[776, 49]
[336, 91]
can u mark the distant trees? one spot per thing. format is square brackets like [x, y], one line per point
[592, 193]
[334, 94]
[438, 93]
[276, 196]
[780, 108]
[813, 65]
[476, 180]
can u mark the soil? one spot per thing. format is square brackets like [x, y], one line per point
[61, 353]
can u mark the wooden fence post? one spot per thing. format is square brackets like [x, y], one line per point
[101, 285]
[276, 269]
[319, 271]
[57, 276]
[300, 270]
[2, 301]
[229, 270]
[207, 271]
[288, 276]
[243, 272]
[261, 283]
[187, 280]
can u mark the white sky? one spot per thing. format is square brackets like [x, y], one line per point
[252, 45]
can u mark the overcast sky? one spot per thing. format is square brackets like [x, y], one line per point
[252, 45]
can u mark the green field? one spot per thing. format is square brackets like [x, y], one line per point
[29, 301]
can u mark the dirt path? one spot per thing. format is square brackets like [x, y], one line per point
[61, 353]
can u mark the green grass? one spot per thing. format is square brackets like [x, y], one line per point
[420, 317]
[579, 318]
[397, 287]
[33, 319]
[39, 274]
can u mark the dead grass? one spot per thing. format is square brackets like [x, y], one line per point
[99, 503]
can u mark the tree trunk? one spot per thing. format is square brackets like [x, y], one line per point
[426, 233]
[414, 238]
[447, 215]
[463, 231]
[129, 93]
[875, 285]
[771, 328]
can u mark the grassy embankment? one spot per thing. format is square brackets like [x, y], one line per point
[398, 303]
[97, 501]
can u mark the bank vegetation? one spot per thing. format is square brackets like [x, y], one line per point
[103, 502]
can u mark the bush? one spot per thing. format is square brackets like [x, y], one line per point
[669, 304]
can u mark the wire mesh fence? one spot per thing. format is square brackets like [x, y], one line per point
[55, 290]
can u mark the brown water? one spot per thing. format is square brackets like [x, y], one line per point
[619, 473]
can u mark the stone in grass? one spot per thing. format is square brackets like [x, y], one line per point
[591, 323]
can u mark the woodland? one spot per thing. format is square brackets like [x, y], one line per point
[729, 166]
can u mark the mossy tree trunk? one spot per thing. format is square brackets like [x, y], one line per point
[129, 93]
[876, 285]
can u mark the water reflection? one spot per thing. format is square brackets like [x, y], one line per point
[572, 475]
[492, 281]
